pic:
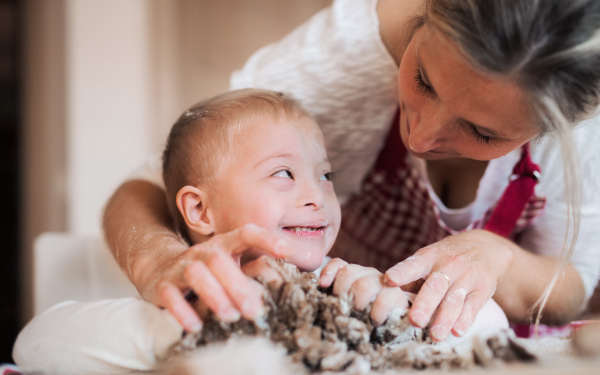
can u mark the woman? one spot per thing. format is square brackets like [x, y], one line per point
[474, 91]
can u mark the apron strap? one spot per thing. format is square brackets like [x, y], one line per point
[526, 175]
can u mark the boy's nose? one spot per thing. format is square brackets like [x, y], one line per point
[311, 195]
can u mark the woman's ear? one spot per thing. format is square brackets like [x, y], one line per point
[192, 203]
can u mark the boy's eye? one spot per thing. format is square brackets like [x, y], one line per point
[327, 176]
[284, 173]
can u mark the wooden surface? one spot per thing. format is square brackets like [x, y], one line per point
[555, 357]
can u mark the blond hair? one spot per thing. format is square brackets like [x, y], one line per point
[551, 50]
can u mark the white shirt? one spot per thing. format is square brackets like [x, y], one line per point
[338, 67]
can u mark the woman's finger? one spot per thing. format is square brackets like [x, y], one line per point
[448, 312]
[236, 284]
[365, 289]
[428, 299]
[473, 303]
[210, 291]
[347, 275]
[251, 236]
[388, 299]
[172, 298]
[329, 272]
[411, 269]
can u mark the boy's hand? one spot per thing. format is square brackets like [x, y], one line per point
[211, 269]
[366, 285]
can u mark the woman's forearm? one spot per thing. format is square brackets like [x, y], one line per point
[525, 281]
[137, 226]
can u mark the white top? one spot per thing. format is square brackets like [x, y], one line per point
[111, 336]
[337, 65]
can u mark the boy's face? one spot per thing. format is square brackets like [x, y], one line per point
[280, 180]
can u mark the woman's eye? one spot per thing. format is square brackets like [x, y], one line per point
[283, 173]
[420, 83]
[327, 176]
[478, 136]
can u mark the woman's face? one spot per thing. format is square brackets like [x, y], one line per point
[450, 110]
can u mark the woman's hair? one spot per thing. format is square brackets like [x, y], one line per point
[551, 50]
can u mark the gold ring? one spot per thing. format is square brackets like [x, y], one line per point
[446, 276]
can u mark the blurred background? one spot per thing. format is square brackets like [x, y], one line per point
[89, 89]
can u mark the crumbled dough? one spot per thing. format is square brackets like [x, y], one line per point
[324, 332]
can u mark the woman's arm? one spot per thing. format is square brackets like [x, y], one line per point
[138, 230]
[137, 219]
[525, 281]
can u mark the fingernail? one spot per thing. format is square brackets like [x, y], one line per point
[439, 332]
[229, 314]
[252, 310]
[418, 318]
[281, 248]
[324, 280]
[194, 325]
[392, 277]
[260, 311]
[460, 330]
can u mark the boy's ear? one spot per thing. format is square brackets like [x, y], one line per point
[192, 203]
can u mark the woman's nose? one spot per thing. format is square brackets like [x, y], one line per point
[311, 195]
[425, 133]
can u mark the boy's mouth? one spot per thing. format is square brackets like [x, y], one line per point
[306, 230]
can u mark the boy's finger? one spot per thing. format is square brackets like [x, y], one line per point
[172, 298]
[388, 299]
[329, 272]
[364, 290]
[260, 270]
[411, 269]
[210, 292]
[348, 275]
[251, 236]
[236, 284]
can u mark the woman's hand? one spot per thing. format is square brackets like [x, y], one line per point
[212, 270]
[366, 285]
[461, 273]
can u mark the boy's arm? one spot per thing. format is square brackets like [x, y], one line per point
[138, 229]
[107, 336]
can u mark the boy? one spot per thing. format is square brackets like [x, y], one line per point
[248, 156]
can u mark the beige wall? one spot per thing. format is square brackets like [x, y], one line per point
[105, 79]
[198, 43]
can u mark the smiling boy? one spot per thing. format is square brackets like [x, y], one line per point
[243, 157]
[252, 156]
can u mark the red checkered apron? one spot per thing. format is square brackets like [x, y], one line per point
[393, 216]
